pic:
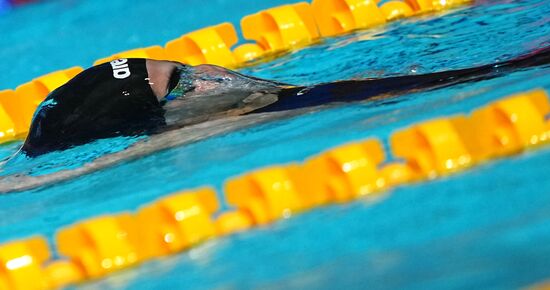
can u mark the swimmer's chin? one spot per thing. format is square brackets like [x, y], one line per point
[220, 92]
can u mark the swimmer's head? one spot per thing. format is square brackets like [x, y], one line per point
[135, 96]
[107, 100]
[199, 92]
[172, 80]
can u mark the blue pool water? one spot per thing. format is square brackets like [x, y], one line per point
[486, 228]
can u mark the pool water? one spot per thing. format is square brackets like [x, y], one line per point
[485, 228]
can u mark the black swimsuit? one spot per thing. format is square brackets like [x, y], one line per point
[349, 91]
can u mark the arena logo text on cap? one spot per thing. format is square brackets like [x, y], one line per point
[120, 68]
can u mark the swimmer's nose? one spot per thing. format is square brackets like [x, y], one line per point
[160, 73]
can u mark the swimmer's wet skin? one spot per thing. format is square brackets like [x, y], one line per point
[137, 96]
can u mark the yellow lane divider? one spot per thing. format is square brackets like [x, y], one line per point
[435, 147]
[272, 30]
[208, 45]
[338, 17]
[394, 10]
[185, 219]
[98, 246]
[282, 27]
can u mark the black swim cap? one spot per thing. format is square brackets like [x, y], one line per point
[111, 99]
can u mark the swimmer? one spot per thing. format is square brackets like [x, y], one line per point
[128, 97]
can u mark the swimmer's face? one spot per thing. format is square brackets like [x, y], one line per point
[165, 76]
[206, 90]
